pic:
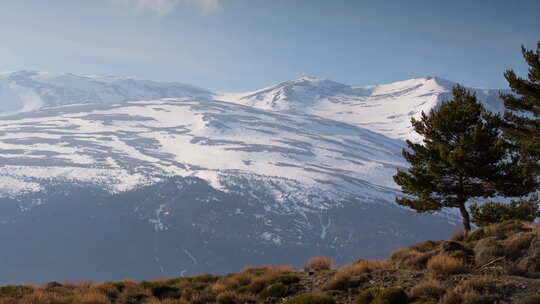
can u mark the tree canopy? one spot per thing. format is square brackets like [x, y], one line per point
[462, 156]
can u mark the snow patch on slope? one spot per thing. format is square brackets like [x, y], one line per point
[291, 156]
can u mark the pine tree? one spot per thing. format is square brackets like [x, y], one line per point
[522, 121]
[462, 156]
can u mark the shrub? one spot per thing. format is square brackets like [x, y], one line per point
[52, 285]
[133, 295]
[424, 300]
[392, 295]
[411, 258]
[232, 297]
[42, 297]
[492, 213]
[430, 288]
[16, 292]
[201, 297]
[269, 276]
[287, 279]
[259, 270]
[367, 296]
[277, 290]
[502, 230]
[446, 265]
[234, 281]
[318, 264]
[109, 289]
[161, 289]
[93, 297]
[424, 246]
[342, 278]
[311, 299]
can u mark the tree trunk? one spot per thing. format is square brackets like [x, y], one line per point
[466, 218]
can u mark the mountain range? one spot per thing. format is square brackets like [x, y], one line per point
[106, 178]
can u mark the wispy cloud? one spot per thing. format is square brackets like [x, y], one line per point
[163, 7]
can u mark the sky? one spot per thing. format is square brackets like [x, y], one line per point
[240, 45]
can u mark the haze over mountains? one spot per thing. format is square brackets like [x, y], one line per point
[105, 178]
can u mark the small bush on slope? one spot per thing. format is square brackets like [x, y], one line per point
[446, 265]
[392, 295]
[318, 264]
[342, 278]
[493, 213]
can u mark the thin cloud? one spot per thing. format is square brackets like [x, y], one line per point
[164, 7]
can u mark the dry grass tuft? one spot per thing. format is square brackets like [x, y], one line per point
[480, 285]
[343, 277]
[430, 288]
[318, 264]
[232, 297]
[267, 268]
[411, 258]
[441, 264]
[517, 243]
[234, 281]
[458, 235]
[502, 230]
[424, 246]
[93, 297]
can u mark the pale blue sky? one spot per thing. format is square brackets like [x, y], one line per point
[235, 45]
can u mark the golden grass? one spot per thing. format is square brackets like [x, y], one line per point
[318, 264]
[441, 264]
[93, 297]
[501, 230]
[343, 276]
[411, 258]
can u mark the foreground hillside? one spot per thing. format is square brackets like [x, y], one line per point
[496, 264]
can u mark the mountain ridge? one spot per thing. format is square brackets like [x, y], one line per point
[194, 184]
[383, 108]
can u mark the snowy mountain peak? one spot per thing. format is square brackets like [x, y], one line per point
[385, 108]
[292, 95]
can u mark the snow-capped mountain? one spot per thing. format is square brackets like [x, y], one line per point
[30, 90]
[124, 145]
[385, 109]
[110, 178]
